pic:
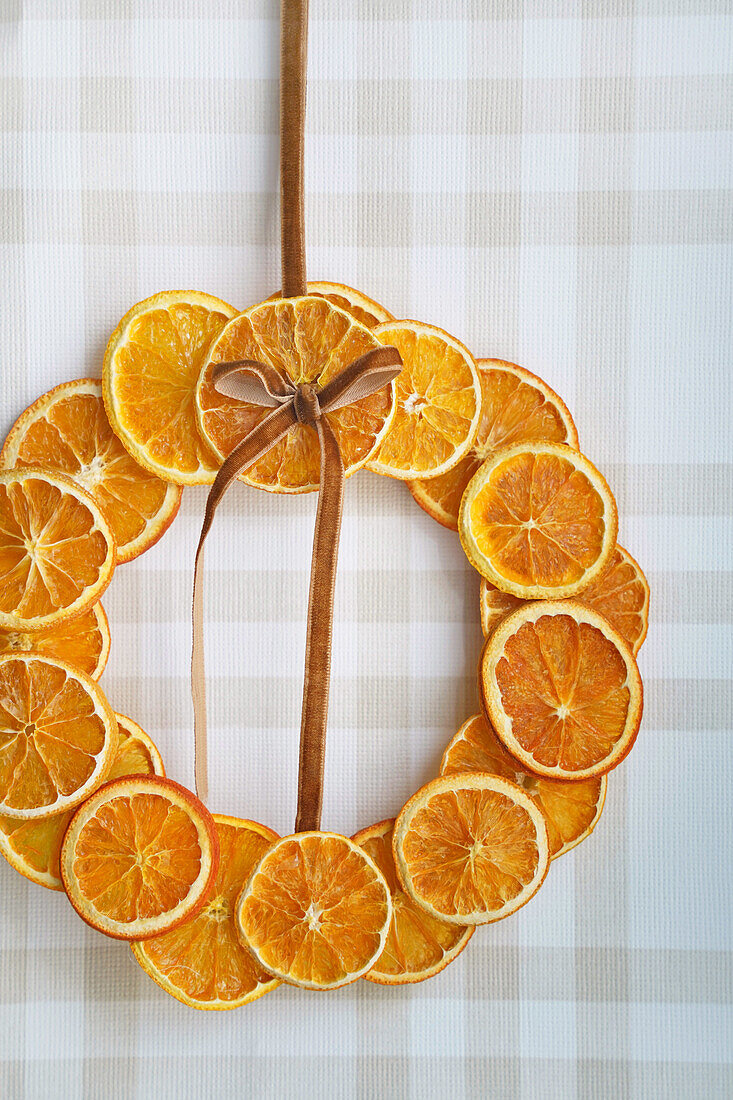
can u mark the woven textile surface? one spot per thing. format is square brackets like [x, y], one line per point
[550, 181]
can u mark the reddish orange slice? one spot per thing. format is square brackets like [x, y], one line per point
[83, 642]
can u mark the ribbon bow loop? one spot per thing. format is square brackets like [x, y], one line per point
[248, 380]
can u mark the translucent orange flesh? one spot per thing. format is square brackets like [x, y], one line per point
[470, 851]
[74, 437]
[38, 843]
[416, 941]
[203, 958]
[564, 511]
[79, 641]
[569, 807]
[155, 376]
[316, 910]
[620, 595]
[137, 857]
[436, 402]
[50, 734]
[363, 316]
[307, 341]
[50, 548]
[563, 686]
[512, 411]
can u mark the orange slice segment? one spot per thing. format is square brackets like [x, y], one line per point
[418, 946]
[67, 430]
[57, 551]
[571, 809]
[621, 595]
[308, 340]
[438, 402]
[58, 736]
[151, 367]
[139, 857]
[516, 407]
[562, 690]
[538, 521]
[34, 847]
[83, 641]
[364, 309]
[202, 963]
[315, 911]
[471, 848]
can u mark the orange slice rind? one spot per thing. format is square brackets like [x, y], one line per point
[202, 962]
[620, 594]
[58, 736]
[538, 521]
[418, 946]
[151, 367]
[34, 847]
[83, 641]
[316, 911]
[571, 809]
[471, 848]
[67, 430]
[307, 339]
[139, 857]
[562, 690]
[516, 407]
[57, 550]
[437, 403]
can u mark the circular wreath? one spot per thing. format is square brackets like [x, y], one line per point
[292, 395]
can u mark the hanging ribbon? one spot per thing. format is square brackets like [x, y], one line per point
[261, 384]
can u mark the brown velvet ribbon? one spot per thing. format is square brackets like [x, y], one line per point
[261, 384]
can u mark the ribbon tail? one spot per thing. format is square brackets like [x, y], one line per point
[264, 436]
[319, 632]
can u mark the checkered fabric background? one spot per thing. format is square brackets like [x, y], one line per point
[549, 180]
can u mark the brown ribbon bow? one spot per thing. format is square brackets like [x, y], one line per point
[261, 384]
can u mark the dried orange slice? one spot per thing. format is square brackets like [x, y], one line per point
[538, 521]
[139, 857]
[202, 962]
[621, 594]
[58, 736]
[57, 550]
[562, 689]
[471, 848]
[571, 809]
[308, 340]
[151, 367]
[34, 847]
[516, 407]
[83, 641]
[364, 309]
[315, 911]
[438, 402]
[418, 946]
[67, 430]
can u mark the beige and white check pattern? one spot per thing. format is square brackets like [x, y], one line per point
[550, 180]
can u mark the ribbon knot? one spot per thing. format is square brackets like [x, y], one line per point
[261, 384]
[306, 404]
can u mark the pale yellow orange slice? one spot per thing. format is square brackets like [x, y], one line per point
[139, 857]
[151, 367]
[202, 962]
[562, 689]
[471, 848]
[516, 407]
[316, 911]
[418, 946]
[438, 403]
[83, 641]
[57, 550]
[571, 809]
[308, 340]
[58, 736]
[539, 521]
